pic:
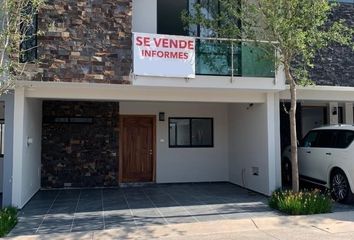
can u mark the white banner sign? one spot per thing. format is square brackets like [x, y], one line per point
[164, 55]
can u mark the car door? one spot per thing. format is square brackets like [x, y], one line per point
[321, 156]
[340, 155]
[305, 152]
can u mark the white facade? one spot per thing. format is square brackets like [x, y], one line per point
[245, 112]
[187, 164]
[246, 137]
[26, 148]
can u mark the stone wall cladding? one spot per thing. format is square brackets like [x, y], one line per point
[334, 65]
[80, 154]
[85, 41]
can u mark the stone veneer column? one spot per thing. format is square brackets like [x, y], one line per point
[80, 154]
[86, 41]
[334, 64]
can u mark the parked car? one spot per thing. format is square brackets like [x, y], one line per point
[326, 157]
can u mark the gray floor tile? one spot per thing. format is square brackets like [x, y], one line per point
[58, 226]
[180, 219]
[204, 217]
[118, 219]
[96, 209]
[88, 224]
[120, 224]
[150, 221]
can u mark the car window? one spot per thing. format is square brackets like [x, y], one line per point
[325, 139]
[310, 139]
[344, 138]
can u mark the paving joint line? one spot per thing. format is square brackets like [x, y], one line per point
[192, 215]
[130, 210]
[207, 205]
[48, 211]
[321, 229]
[157, 209]
[50, 207]
[76, 207]
[103, 216]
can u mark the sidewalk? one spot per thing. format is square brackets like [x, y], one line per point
[338, 225]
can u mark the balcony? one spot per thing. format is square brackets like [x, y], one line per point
[195, 62]
[224, 57]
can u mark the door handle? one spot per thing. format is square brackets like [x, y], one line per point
[308, 152]
[328, 153]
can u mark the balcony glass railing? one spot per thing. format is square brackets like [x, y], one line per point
[234, 58]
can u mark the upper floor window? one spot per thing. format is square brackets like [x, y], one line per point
[29, 30]
[169, 14]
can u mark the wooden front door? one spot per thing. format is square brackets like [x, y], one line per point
[137, 142]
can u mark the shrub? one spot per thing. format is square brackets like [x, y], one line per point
[8, 219]
[301, 203]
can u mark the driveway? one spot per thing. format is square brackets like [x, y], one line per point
[65, 211]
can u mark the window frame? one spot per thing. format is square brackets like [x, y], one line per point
[190, 119]
[2, 138]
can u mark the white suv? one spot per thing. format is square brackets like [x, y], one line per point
[326, 157]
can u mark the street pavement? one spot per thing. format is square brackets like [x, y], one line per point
[338, 225]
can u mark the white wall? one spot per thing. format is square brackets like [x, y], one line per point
[26, 157]
[333, 118]
[8, 149]
[2, 116]
[312, 117]
[187, 164]
[144, 16]
[348, 113]
[248, 146]
[32, 152]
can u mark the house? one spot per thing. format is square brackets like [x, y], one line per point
[124, 96]
[330, 100]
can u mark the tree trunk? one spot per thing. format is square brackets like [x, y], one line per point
[293, 132]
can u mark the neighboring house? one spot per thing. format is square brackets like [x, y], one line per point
[330, 100]
[98, 114]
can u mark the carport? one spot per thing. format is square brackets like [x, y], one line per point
[79, 142]
[76, 210]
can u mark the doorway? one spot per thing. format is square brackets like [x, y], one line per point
[137, 148]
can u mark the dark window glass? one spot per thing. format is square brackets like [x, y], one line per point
[344, 138]
[2, 137]
[169, 14]
[340, 115]
[29, 29]
[202, 132]
[309, 139]
[191, 132]
[325, 139]
[180, 132]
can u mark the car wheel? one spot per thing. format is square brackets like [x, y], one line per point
[340, 188]
[286, 173]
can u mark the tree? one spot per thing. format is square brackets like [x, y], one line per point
[17, 35]
[297, 29]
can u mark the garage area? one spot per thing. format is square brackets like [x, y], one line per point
[63, 211]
